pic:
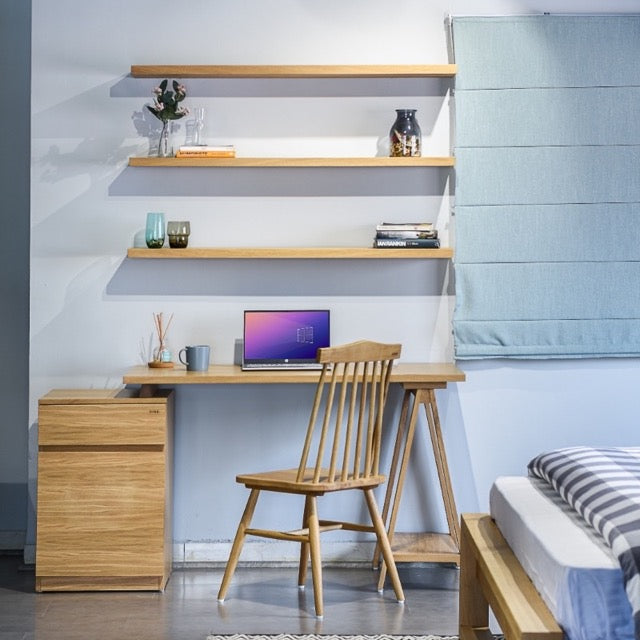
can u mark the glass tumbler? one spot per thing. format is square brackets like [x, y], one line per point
[154, 231]
[198, 125]
[178, 232]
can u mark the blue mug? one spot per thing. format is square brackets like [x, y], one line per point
[196, 357]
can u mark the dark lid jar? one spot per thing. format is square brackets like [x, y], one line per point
[405, 138]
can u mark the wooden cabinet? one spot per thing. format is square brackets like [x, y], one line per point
[104, 505]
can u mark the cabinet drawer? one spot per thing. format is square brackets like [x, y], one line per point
[102, 424]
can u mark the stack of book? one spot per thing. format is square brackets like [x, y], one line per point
[418, 235]
[206, 151]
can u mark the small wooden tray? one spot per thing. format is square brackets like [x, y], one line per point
[156, 364]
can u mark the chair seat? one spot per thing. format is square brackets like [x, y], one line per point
[285, 480]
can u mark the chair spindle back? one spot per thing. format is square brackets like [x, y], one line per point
[345, 426]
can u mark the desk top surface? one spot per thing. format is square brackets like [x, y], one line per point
[407, 373]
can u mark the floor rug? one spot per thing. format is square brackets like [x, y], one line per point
[312, 636]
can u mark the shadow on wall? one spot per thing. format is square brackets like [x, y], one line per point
[301, 182]
[281, 278]
[289, 123]
[130, 87]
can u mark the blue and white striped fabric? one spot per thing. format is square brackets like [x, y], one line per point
[603, 486]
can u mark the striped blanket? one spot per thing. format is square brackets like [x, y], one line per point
[603, 486]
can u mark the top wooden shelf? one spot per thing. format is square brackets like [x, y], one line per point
[373, 161]
[294, 71]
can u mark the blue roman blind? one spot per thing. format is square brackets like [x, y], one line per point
[547, 196]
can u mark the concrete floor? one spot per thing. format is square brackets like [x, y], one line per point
[260, 600]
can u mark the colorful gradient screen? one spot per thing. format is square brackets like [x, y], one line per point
[284, 336]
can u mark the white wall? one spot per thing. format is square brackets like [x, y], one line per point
[91, 307]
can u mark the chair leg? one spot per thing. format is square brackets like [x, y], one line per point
[385, 546]
[304, 547]
[238, 541]
[316, 560]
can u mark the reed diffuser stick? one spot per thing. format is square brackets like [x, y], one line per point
[161, 330]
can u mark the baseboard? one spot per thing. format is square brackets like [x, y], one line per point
[255, 552]
[29, 554]
[12, 540]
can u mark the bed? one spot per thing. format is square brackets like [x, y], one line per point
[536, 563]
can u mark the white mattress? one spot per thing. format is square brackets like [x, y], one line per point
[575, 572]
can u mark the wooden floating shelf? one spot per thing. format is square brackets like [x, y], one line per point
[303, 253]
[294, 71]
[149, 161]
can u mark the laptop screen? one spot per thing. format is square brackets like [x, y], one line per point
[285, 337]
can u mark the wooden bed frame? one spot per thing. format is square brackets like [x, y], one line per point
[492, 577]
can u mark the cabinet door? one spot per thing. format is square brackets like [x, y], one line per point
[101, 512]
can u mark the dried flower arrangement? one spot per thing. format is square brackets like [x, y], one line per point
[166, 106]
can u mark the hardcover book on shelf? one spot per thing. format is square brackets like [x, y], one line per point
[433, 233]
[406, 235]
[405, 226]
[406, 243]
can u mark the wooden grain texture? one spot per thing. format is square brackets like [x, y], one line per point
[491, 576]
[98, 424]
[427, 398]
[101, 396]
[293, 71]
[411, 374]
[287, 253]
[100, 583]
[425, 547]
[104, 503]
[100, 513]
[292, 163]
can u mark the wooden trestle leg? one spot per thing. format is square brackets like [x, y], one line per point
[419, 547]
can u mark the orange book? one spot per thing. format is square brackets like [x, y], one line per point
[229, 153]
[206, 151]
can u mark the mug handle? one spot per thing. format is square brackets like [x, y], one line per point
[180, 357]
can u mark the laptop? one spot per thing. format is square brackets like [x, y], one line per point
[284, 339]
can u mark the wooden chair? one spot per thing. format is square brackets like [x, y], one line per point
[341, 452]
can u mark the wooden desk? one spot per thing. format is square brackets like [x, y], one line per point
[410, 373]
[419, 381]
